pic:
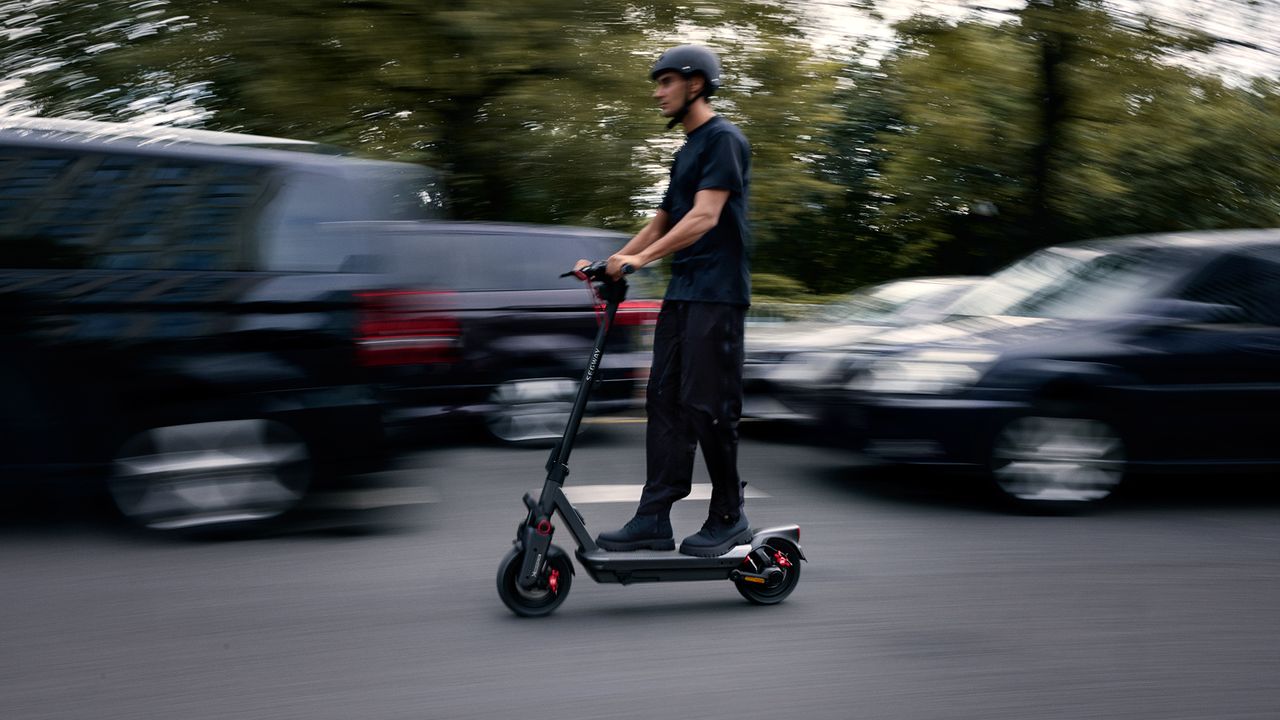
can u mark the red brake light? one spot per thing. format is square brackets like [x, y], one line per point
[636, 312]
[406, 327]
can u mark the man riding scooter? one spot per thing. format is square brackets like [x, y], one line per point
[695, 383]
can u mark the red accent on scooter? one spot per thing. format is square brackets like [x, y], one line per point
[544, 527]
[554, 582]
[781, 559]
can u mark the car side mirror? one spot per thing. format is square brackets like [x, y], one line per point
[1172, 312]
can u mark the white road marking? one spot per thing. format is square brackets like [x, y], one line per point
[584, 494]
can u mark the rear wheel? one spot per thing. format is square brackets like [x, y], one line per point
[551, 588]
[1058, 462]
[779, 561]
[212, 475]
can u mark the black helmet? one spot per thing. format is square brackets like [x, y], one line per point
[690, 60]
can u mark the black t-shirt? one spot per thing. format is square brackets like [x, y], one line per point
[716, 268]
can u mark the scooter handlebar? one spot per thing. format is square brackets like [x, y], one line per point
[598, 270]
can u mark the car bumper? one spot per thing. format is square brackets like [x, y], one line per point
[934, 431]
[763, 400]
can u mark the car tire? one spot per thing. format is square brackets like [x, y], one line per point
[210, 476]
[1057, 459]
[530, 411]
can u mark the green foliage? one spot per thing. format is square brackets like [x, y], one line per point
[960, 154]
[777, 286]
[1060, 124]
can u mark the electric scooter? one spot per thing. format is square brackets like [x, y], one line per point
[535, 576]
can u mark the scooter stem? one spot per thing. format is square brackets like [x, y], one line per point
[613, 292]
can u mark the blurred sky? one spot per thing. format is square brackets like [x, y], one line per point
[1247, 22]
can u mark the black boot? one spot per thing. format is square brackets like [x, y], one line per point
[719, 534]
[642, 532]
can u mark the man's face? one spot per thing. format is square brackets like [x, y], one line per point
[671, 90]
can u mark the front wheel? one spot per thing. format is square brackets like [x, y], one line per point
[546, 594]
[779, 562]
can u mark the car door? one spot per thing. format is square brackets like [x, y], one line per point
[1212, 387]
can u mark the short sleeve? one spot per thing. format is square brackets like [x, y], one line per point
[722, 164]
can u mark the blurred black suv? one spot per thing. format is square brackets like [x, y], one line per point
[175, 317]
[1083, 362]
[482, 327]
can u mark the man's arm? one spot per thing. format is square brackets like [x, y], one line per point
[707, 206]
[652, 230]
[648, 235]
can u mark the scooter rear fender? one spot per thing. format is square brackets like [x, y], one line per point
[790, 533]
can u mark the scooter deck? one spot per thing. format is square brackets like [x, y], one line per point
[663, 558]
[659, 565]
[669, 565]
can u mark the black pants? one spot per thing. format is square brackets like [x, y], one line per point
[694, 398]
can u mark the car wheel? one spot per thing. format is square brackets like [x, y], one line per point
[530, 411]
[213, 475]
[1057, 461]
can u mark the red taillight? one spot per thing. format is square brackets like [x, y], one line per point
[406, 327]
[635, 312]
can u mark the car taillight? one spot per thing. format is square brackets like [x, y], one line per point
[406, 327]
[636, 312]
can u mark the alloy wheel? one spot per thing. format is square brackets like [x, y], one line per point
[1058, 460]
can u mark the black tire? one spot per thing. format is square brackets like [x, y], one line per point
[211, 478]
[757, 595]
[1057, 459]
[541, 600]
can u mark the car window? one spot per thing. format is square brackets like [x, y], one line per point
[302, 229]
[290, 230]
[889, 300]
[476, 261]
[72, 209]
[1251, 284]
[1073, 282]
[398, 191]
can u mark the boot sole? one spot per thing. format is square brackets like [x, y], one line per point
[715, 550]
[612, 546]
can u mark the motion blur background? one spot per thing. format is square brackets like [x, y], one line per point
[265, 352]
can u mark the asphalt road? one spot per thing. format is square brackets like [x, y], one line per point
[919, 601]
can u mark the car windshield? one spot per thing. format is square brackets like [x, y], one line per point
[884, 302]
[1070, 283]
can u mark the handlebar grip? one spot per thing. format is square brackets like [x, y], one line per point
[596, 271]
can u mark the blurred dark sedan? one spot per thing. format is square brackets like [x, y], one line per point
[1081, 363]
[784, 360]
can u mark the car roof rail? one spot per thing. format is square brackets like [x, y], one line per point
[146, 133]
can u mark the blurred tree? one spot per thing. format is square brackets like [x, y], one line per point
[1060, 124]
[959, 163]
[52, 55]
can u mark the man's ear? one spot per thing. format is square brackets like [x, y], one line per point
[696, 85]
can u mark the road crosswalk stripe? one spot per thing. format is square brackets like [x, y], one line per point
[585, 494]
